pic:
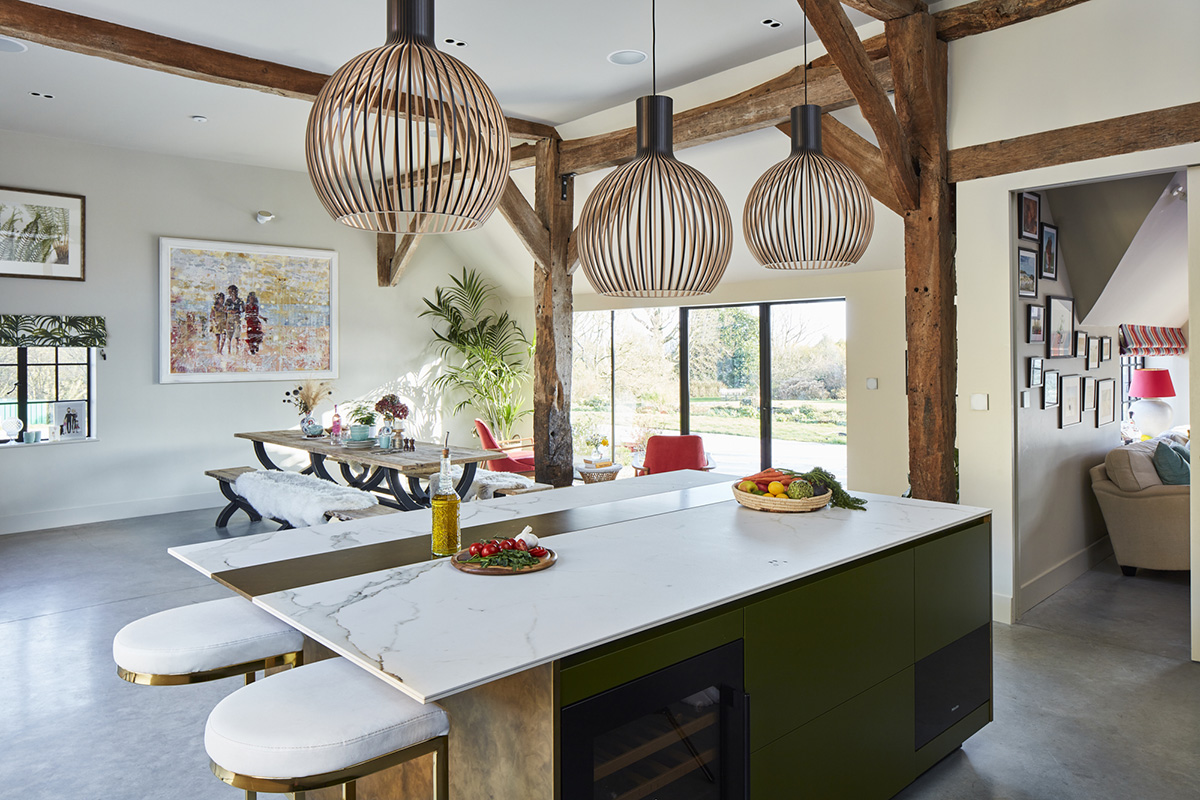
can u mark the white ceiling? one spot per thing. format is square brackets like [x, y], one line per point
[545, 60]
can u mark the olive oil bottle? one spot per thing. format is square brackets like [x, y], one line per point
[445, 509]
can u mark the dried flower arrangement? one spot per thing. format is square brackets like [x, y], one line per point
[391, 408]
[308, 395]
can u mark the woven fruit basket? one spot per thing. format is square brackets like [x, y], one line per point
[782, 505]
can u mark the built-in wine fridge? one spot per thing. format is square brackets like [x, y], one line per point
[676, 734]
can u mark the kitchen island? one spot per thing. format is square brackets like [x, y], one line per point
[850, 626]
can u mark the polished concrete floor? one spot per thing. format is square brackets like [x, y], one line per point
[1095, 695]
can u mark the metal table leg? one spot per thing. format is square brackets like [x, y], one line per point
[318, 467]
[260, 450]
[406, 501]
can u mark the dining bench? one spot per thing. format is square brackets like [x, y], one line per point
[294, 511]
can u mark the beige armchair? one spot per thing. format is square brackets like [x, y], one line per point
[1148, 522]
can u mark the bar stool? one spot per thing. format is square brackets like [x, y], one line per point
[324, 724]
[204, 642]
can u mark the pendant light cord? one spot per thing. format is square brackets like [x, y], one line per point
[805, 52]
[654, 46]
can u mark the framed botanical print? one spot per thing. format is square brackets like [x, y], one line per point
[41, 235]
[1050, 393]
[1081, 338]
[1071, 404]
[1030, 211]
[1106, 348]
[1037, 324]
[1089, 394]
[1049, 252]
[1106, 402]
[1060, 327]
[1027, 279]
[1035, 372]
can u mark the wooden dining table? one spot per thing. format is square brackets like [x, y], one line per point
[393, 472]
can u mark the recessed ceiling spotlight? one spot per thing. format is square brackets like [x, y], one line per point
[626, 58]
[42, 95]
[455, 42]
[12, 45]
[772, 23]
[199, 119]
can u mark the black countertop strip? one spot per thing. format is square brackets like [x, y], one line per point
[278, 576]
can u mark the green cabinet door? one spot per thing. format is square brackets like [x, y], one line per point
[861, 750]
[814, 647]
[953, 587]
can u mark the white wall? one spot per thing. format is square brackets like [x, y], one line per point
[877, 420]
[155, 441]
[1194, 383]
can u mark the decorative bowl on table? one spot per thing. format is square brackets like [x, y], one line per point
[782, 505]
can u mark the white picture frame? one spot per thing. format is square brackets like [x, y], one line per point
[293, 335]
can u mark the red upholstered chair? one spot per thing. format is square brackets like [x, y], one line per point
[670, 453]
[518, 461]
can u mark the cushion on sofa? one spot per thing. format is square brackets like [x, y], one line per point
[1171, 466]
[1184, 450]
[1131, 467]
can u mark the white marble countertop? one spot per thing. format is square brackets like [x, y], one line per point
[433, 631]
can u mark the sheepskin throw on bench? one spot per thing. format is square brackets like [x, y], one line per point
[302, 500]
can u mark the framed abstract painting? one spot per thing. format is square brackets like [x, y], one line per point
[246, 312]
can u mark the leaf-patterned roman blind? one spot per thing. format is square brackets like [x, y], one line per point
[46, 330]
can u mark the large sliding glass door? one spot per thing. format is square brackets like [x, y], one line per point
[763, 383]
[721, 398]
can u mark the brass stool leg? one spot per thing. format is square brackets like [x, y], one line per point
[251, 795]
[350, 791]
[249, 678]
[441, 770]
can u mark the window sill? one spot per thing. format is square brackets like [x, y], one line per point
[11, 445]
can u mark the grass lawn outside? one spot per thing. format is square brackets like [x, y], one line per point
[782, 428]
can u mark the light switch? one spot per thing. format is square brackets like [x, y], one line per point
[872, 383]
[979, 402]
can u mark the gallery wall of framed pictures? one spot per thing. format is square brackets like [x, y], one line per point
[1063, 361]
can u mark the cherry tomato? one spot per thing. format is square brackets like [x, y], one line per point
[521, 545]
[489, 550]
[475, 548]
[507, 544]
[538, 552]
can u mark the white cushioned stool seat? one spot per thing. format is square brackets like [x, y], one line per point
[316, 719]
[203, 637]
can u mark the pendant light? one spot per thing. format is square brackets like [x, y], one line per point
[654, 227]
[405, 138]
[809, 211]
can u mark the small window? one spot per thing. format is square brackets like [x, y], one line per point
[48, 389]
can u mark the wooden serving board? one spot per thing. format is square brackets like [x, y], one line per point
[459, 560]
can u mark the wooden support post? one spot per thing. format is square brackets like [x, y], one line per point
[919, 64]
[394, 254]
[554, 203]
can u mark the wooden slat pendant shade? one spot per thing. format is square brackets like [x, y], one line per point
[655, 227]
[808, 211]
[407, 138]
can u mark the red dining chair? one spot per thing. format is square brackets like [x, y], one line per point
[518, 461]
[670, 453]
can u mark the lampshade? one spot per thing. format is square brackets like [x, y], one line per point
[405, 138]
[1151, 383]
[808, 211]
[655, 227]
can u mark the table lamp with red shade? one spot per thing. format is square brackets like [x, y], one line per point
[1150, 414]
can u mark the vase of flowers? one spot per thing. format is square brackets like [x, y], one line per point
[393, 411]
[306, 397]
[596, 441]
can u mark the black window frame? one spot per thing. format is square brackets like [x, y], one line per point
[22, 365]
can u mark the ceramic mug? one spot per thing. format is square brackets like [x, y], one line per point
[359, 433]
[384, 441]
[32, 437]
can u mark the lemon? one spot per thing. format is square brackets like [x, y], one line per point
[775, 487]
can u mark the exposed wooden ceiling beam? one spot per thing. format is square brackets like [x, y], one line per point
[829, 20]
[394, 255]
[523, 155]
[839, 142]
[969, 19]
[763, 106]
[887, 9]
[526, 223]
[93, 37]
[1149, 130]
